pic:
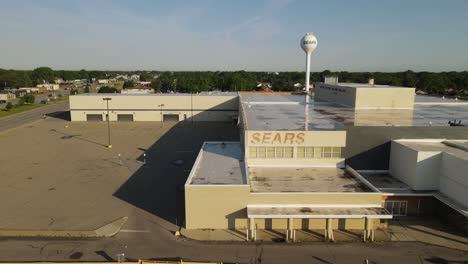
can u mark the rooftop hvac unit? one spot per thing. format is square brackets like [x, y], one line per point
[331, 80]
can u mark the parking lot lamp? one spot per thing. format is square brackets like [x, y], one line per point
[162, 116]
[107, 99]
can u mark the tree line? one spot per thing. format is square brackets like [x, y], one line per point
[430, 82]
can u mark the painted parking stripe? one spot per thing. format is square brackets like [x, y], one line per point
[134, 231]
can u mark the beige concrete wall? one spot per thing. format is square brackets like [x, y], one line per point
[367, 97]
[315, 198]
[339, 94]
[217, 207]
[147, 107]
[313, 224]
[253, 138]
[397, 117]
[224, 206]
[403, 162]
[332, 162]
[395, 97]
[453, 181]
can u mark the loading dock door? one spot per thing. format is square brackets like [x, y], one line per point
[125, 118]
[171, 118]
[91, 117]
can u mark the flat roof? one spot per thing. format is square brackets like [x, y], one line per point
[385, 182]
[366, 85]
[288, 112]
[303, 179]
[219, 163]
[430, 99]
[161, 94]
[442, 146]
[313, 211]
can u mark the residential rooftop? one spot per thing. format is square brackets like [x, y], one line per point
[303, 179]
[219, 163]
[288, 112]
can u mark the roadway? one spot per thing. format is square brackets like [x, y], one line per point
[149, 245]
[32, 115]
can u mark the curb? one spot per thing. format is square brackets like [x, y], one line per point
[107, 230]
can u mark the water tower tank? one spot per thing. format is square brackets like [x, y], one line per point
[309, 42]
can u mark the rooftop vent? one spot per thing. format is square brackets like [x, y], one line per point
[455, 123]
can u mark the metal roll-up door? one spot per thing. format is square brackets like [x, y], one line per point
[93, 117]
[125, 117]
[171, 118]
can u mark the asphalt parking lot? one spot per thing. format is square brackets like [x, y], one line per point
[59, 175]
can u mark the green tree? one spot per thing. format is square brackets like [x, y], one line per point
[156, 85]
[26, 80]
[107, 89]
[30, 99]
[409, 79]
[83, 74]
[26, 99]
[128, 84]
[42, 74]
[8, 106]
[146, 76]
[21, 101]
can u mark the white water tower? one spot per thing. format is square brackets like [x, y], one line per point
[308, 44]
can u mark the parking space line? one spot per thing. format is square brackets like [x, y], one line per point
[134, 231]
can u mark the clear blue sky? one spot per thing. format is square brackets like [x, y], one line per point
[358, 35]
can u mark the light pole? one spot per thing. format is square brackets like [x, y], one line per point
[191, 102]
[107, 99]
[162, 116]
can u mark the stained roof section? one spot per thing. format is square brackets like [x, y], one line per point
[291, 112]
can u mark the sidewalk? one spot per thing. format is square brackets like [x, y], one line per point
[427, 231]
[279, 235]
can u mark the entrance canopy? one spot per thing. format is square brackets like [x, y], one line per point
[347, 211]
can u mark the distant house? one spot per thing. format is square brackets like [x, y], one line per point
[144, 83]
[137, 90]
[103, 81]
[121, 77]
[450, 91]
[266, 87]
[421, 92]
[49, 86]
[135, 77]
[5, 97]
